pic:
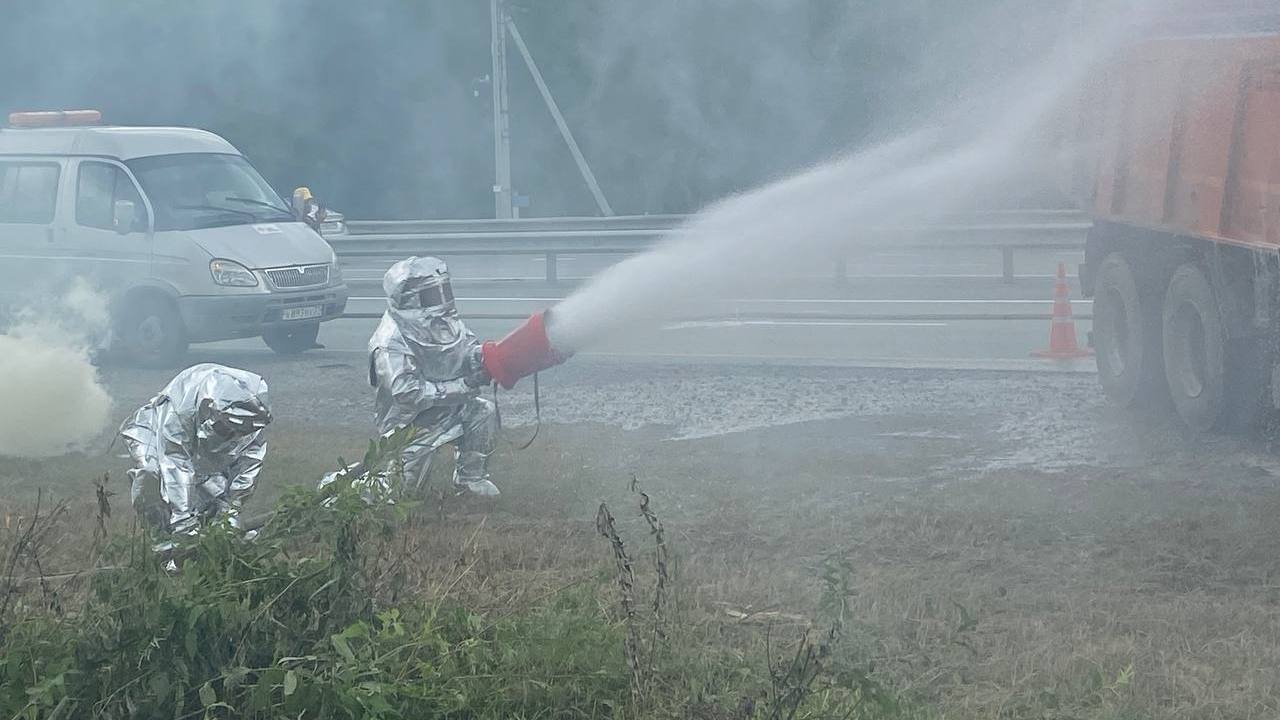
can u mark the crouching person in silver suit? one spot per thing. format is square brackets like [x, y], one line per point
[197, 447]
[427, 371]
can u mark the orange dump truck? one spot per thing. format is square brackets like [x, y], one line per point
[1183, 261]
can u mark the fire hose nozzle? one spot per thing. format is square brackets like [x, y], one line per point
[523, 352]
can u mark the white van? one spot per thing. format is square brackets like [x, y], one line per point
[188, 241]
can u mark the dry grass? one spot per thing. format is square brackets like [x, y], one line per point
[1090, 593]
[1008, 604]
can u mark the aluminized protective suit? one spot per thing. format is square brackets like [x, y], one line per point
[426, 368]
[197, 447]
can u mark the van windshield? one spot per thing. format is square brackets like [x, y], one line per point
[204, 190]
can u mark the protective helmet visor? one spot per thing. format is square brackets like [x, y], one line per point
[239, 418]
[433, 294]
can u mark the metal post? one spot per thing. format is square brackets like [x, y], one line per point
[553, 272]
[1006, 256]
[501, 121]
[587, 175]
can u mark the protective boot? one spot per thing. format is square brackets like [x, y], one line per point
[470, 475]
[479, 434]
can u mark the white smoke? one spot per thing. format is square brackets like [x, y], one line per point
[51, 399]
[815, 216]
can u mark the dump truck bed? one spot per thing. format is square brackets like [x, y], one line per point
[1191, 138]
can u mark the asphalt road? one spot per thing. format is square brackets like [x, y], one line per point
[911, 308]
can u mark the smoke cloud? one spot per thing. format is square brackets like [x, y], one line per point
[51, 399]
[757, 237]
[382, 108]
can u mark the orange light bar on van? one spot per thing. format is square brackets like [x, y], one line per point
[54, 118]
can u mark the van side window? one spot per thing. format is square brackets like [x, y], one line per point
[98, 187]
[28, 192]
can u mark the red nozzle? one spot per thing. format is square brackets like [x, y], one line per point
[523, 352]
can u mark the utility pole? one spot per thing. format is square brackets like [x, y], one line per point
[588, 177]
[501, 121]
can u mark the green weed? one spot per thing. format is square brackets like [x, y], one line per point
[313, 619]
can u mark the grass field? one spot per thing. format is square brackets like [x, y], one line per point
[1092, 591]
[982, 560]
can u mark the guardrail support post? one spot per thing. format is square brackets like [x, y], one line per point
[1006, 255]
[553, 274]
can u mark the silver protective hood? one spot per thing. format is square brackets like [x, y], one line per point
[198, 446]
[422, 319]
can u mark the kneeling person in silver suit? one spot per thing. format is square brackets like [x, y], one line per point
[197, 447]
[427, 370]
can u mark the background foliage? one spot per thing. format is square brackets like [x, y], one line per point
[381, 107]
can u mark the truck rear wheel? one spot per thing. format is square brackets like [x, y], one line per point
[1195, 349]
[1128, 349]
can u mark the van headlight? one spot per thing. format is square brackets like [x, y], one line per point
[229, 273]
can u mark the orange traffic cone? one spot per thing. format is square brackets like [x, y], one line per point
[1062, 334]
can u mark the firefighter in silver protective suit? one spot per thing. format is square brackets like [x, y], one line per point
[197, 447]
[427, 370]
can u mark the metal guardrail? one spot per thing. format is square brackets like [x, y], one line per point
[780, 310]
[823, 317]
[649, 223]
[659, 223]
[1006, 231]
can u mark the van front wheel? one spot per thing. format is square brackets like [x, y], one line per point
[292, 339]
[153, 332]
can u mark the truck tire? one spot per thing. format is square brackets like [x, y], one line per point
[1127, 344]
[152, 332]
[292, 339]
[1195, 349]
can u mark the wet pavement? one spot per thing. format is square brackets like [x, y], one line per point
[984, 420]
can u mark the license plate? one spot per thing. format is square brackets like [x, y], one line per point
[302, 313]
